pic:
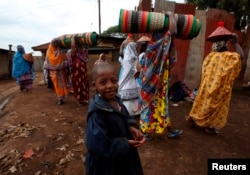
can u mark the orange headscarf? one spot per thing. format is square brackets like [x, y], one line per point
[55, 55]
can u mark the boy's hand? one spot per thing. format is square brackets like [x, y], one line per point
[137, 134]
[136, 143]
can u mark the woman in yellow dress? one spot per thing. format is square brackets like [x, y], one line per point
[219, 70]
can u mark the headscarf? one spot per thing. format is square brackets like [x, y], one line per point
[82, 52]
[101, 57]
[124, 43]
[100, 60]
[20, 49]
[20, 65]
[158, 52]
[129, 64]
[56, 57]
[130, 51]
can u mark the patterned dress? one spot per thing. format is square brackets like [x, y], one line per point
[22, 70]
[153, 102]
[79, 77]
[219, 70]
[129, 88]
[57, 64]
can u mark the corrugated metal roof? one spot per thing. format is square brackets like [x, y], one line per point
[5, 51]
[115, 42]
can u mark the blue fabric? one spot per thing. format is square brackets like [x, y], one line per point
[108, 149]
[20, 66]
[142, 63]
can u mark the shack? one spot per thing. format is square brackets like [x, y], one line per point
[6, 63]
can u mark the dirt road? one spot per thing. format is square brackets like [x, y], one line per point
[38, 137]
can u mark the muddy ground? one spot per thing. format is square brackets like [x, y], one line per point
[38, 137]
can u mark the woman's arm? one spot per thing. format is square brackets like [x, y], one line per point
[73, 46]
[236, 45]
[172, 23]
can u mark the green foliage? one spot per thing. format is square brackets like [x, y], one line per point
[110, 30]
[113, 32]
[241, 9]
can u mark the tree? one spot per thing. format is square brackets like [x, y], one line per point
[113, 32]
[110, 30]
[241, 9]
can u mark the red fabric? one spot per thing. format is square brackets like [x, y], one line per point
[80, 80]
[182, 46]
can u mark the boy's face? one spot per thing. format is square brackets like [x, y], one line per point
[106, 83]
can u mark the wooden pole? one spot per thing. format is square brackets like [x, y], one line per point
[99, 11]
[10, 61]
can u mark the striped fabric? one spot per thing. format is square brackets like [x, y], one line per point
[153, 102]
[88, 38]
[188, 26]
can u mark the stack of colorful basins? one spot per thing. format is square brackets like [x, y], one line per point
[188, 26]
[88, 38]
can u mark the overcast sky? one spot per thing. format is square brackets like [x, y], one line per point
[34, 22]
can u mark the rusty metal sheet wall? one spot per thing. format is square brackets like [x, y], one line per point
[196, 54]
[145, 5]
[182, 46]
[164, 6]
[184, 8]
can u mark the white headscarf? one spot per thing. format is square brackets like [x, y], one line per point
[128, 86]
[130, 51]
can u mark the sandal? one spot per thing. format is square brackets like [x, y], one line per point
[60, 102]
[147, 137]
[175, 133]
[212, 130]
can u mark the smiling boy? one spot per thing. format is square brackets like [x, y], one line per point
[112, 134]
